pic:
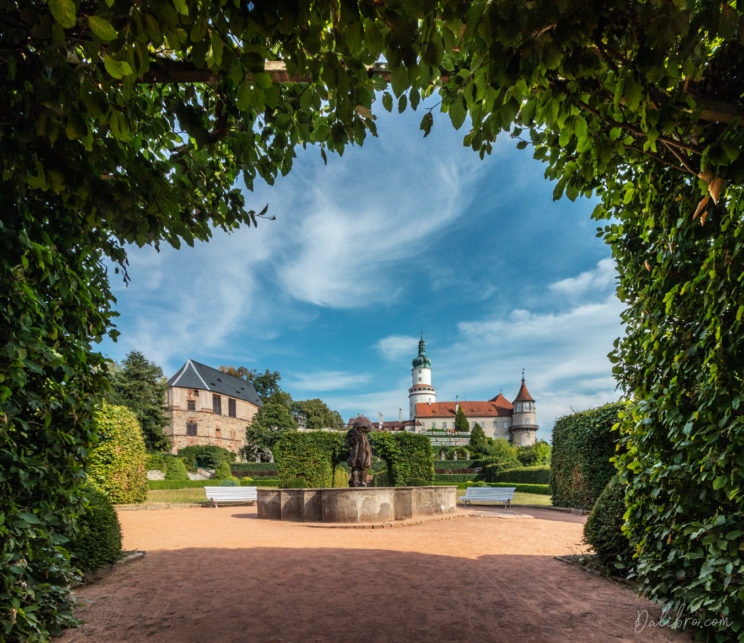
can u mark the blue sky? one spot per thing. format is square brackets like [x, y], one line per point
[403, 235]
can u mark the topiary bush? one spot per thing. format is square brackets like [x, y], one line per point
[408, 456]
[580, 466]
[117, 463]
[230, 481]
[98, 540]
[222, 471]
[340, 478]
[175, 470]
[603, 528]
[155, 462]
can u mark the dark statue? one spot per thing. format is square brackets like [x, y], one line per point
[360, 451]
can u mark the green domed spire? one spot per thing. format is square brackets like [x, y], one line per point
[421, 361]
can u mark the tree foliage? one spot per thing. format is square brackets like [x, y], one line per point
[407, 455]
[266, 383]
[270, 424]
[140, 386]
[461, 422]
[478, 443]
[319, 416]
[117, 463]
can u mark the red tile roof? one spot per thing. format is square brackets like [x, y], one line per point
[498, 406]
[523, 395]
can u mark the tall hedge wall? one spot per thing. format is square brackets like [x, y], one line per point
[530, 475]
[311, 456]
[583, 444]
[117, 463]
[207, 456]
[408, 456]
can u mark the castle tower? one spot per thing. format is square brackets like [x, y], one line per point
[421, 391]
[524, 422]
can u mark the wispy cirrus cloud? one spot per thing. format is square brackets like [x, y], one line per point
[396, 347]
[327, 381]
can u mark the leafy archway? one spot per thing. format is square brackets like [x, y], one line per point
[132, 122]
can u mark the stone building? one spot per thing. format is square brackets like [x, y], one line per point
[208, 407]
[499, 418]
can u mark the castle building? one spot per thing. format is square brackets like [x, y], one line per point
[208, 407]
[498, 417]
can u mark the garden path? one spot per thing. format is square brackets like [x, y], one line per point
[223, 575]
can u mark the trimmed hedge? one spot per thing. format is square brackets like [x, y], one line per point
[261, 482]
[253, 468]
[451, 478]
[311, 456]
[408, 456]
[98, 539]
[222, 471]
[117, 463]
[603, 528]
[207, 456]
[453, 464]
[542, 489]
[580, 466]
[530, 475]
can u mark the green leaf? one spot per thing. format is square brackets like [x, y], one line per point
[720, 482]
[64, 12]
[632, 94]
[112, 67]
[181, 7]
[387, 101]
[426, 122]
[102, 28]
[457, 112]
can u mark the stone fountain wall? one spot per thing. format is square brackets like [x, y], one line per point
[361, 504]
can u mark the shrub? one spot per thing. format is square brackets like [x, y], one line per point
[535, 475]
[417, 482]
[262, 482]
[246, 479]
[207, 456]
[155, 462]
[494, 466]
[311, 456]
[382, 479]
[534, 454]
[296, 483]
[603, 528]
[340, 478]
[454, 477]
[117, 463]
[230, 481]
[253, 468]
[178, 484]
[408, 456]
[583, 444]
[98, 540]
[175, 469]
[452, 464]
[502, 449]
[222, 471]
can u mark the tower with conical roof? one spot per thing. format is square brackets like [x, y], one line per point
[421, 391]
[524, 422]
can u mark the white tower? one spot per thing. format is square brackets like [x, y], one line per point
[421, 391]
[524, 422]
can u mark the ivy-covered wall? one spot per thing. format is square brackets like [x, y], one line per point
[583, 444]
[117, 465]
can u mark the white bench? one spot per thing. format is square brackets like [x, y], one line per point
[231, 494]
[489, 494]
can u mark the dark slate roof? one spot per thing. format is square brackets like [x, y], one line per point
[205, 378]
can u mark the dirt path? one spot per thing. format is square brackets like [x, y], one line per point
[213, 575]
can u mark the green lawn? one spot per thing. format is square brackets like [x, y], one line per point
[521, 498]
[176, 495]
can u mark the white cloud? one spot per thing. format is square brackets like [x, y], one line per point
[397, 347]
[599, 279]
[327, 381]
